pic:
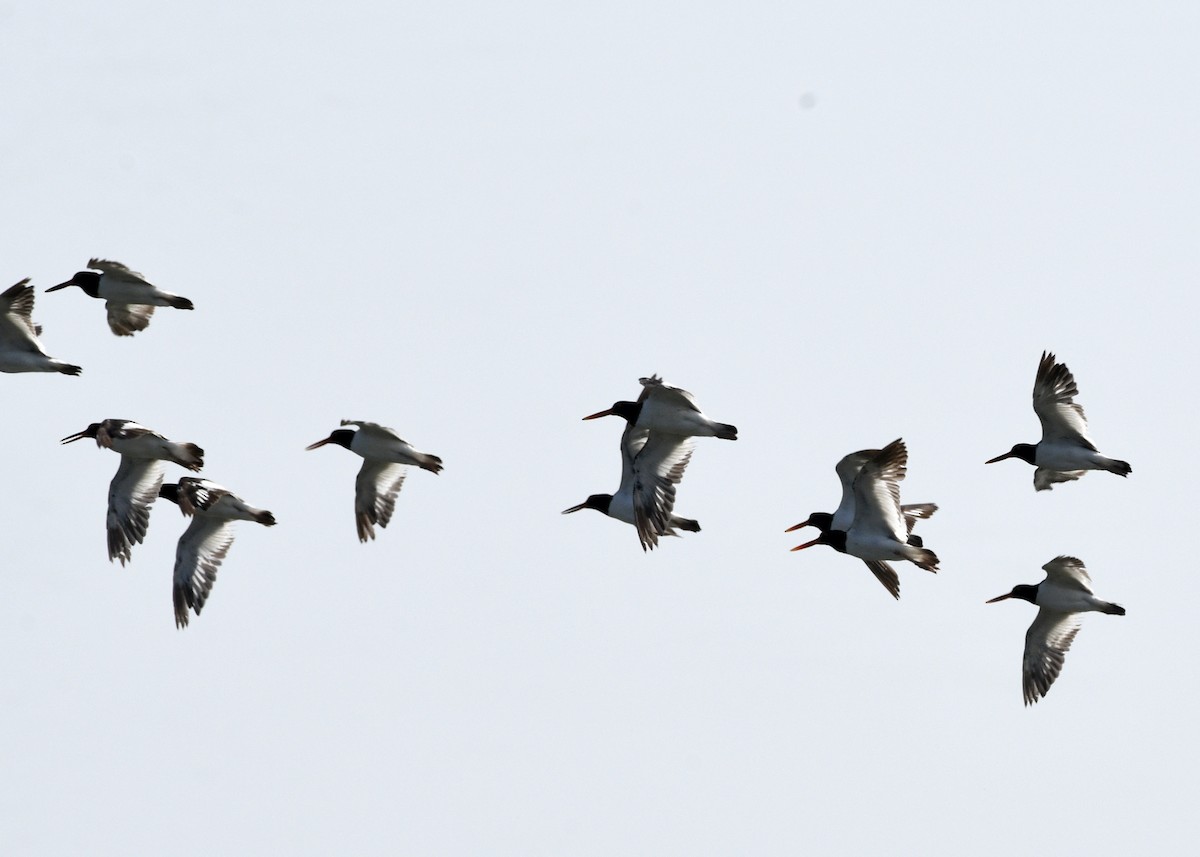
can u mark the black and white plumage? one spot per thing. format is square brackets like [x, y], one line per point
[385, 457]
[204, 544]
[129, 299]
[20, 349]
[652, 464]
[841, 519]
[669, 410]
[135, 486]
[880, 531]
[1066, 452]
[1061, 597]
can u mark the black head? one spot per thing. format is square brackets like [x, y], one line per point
[89, 281]
[821, 520]
[599, 502]
[836, 539]
[1023, 451]
[625, 410]
[90, 431]
[170, 491]
[342, 437]
[1024, 591]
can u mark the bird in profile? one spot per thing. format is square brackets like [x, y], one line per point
[383, 470]
[1061, 597]
[652, 464]
[1065, 452]
[879, 532]
[129, 299]
[669, 410]
[847, 470]
[135, 487]
[206, 541]
[20, 350]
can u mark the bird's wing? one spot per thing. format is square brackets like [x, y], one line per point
[1046, 645]
[17, 329]
[666, 394]
[846, 470]
[130, 494]
[632, 442]
[197, 495]
[914, 512]
[201, 549]
[886, 575]
[877, 492]
[375, 495]
[1044, 479]
[375, 431]
[128, 319]
[111, 430]
[1068, 573]
[1054, 392]
[657, 469]
[117, 271]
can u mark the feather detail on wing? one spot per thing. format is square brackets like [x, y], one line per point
[1044, 479]
[886, 575]
[130, 495]
[16, 309]
[877, 490]
[1068, 572]
[375, 493]
[656, 469]
[665, 393]
[128, 319]
[1046, 645]
[201, 550]
[116, 270]
[1054, 390]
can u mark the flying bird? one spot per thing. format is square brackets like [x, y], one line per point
[129, 299]
[135, 487]
[20, 350]
[382, 473]
[1065, 452]
[652, 464]
[206, 541]
[667, 409]
[847, 470]
[879, 531]
[1061, 597]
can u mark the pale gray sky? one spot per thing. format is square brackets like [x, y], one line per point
[478, 223]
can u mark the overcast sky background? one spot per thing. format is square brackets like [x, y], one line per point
[836, 224]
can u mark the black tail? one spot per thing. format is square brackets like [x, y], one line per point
[923, 558]
[1121, 468]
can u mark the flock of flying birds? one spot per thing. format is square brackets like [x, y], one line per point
[870, 522]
